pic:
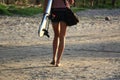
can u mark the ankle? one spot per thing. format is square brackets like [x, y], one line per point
[53, 62]
[58, 65]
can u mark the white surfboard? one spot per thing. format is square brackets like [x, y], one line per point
[42, 27]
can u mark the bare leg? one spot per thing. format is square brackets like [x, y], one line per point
[55, 41]
[59, 41]
[61, 46]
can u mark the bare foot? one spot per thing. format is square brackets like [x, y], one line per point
[58, 65]
[53, 62]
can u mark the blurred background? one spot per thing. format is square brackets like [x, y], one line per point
[31, 7]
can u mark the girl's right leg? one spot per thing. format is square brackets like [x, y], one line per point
[62, 34]
[55, 41]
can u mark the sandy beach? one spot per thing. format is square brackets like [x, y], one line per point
[92, 49]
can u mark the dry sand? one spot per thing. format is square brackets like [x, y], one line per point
[92, 49]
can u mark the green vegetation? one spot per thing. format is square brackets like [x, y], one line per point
[19, 10]
[98, 3]
[3, 10]
[76, 9]
[24, 10]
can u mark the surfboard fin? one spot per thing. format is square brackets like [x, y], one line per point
[46, 33]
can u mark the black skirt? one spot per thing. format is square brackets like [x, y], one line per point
[58, 14]
[64, 14]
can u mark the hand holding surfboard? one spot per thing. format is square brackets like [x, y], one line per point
[43, 26]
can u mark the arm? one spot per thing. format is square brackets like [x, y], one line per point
[45, 5]
[71, 1]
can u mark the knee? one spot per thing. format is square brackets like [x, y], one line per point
[62, 37]
[56, 36]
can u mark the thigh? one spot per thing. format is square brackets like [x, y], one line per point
[56, 28]
[63, 28]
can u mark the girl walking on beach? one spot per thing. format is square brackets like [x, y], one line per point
[59, 27]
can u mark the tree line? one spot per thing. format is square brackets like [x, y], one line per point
[96, 2]
[77, 2]
[24, 2]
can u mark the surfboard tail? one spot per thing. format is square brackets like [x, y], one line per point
[42, 27]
